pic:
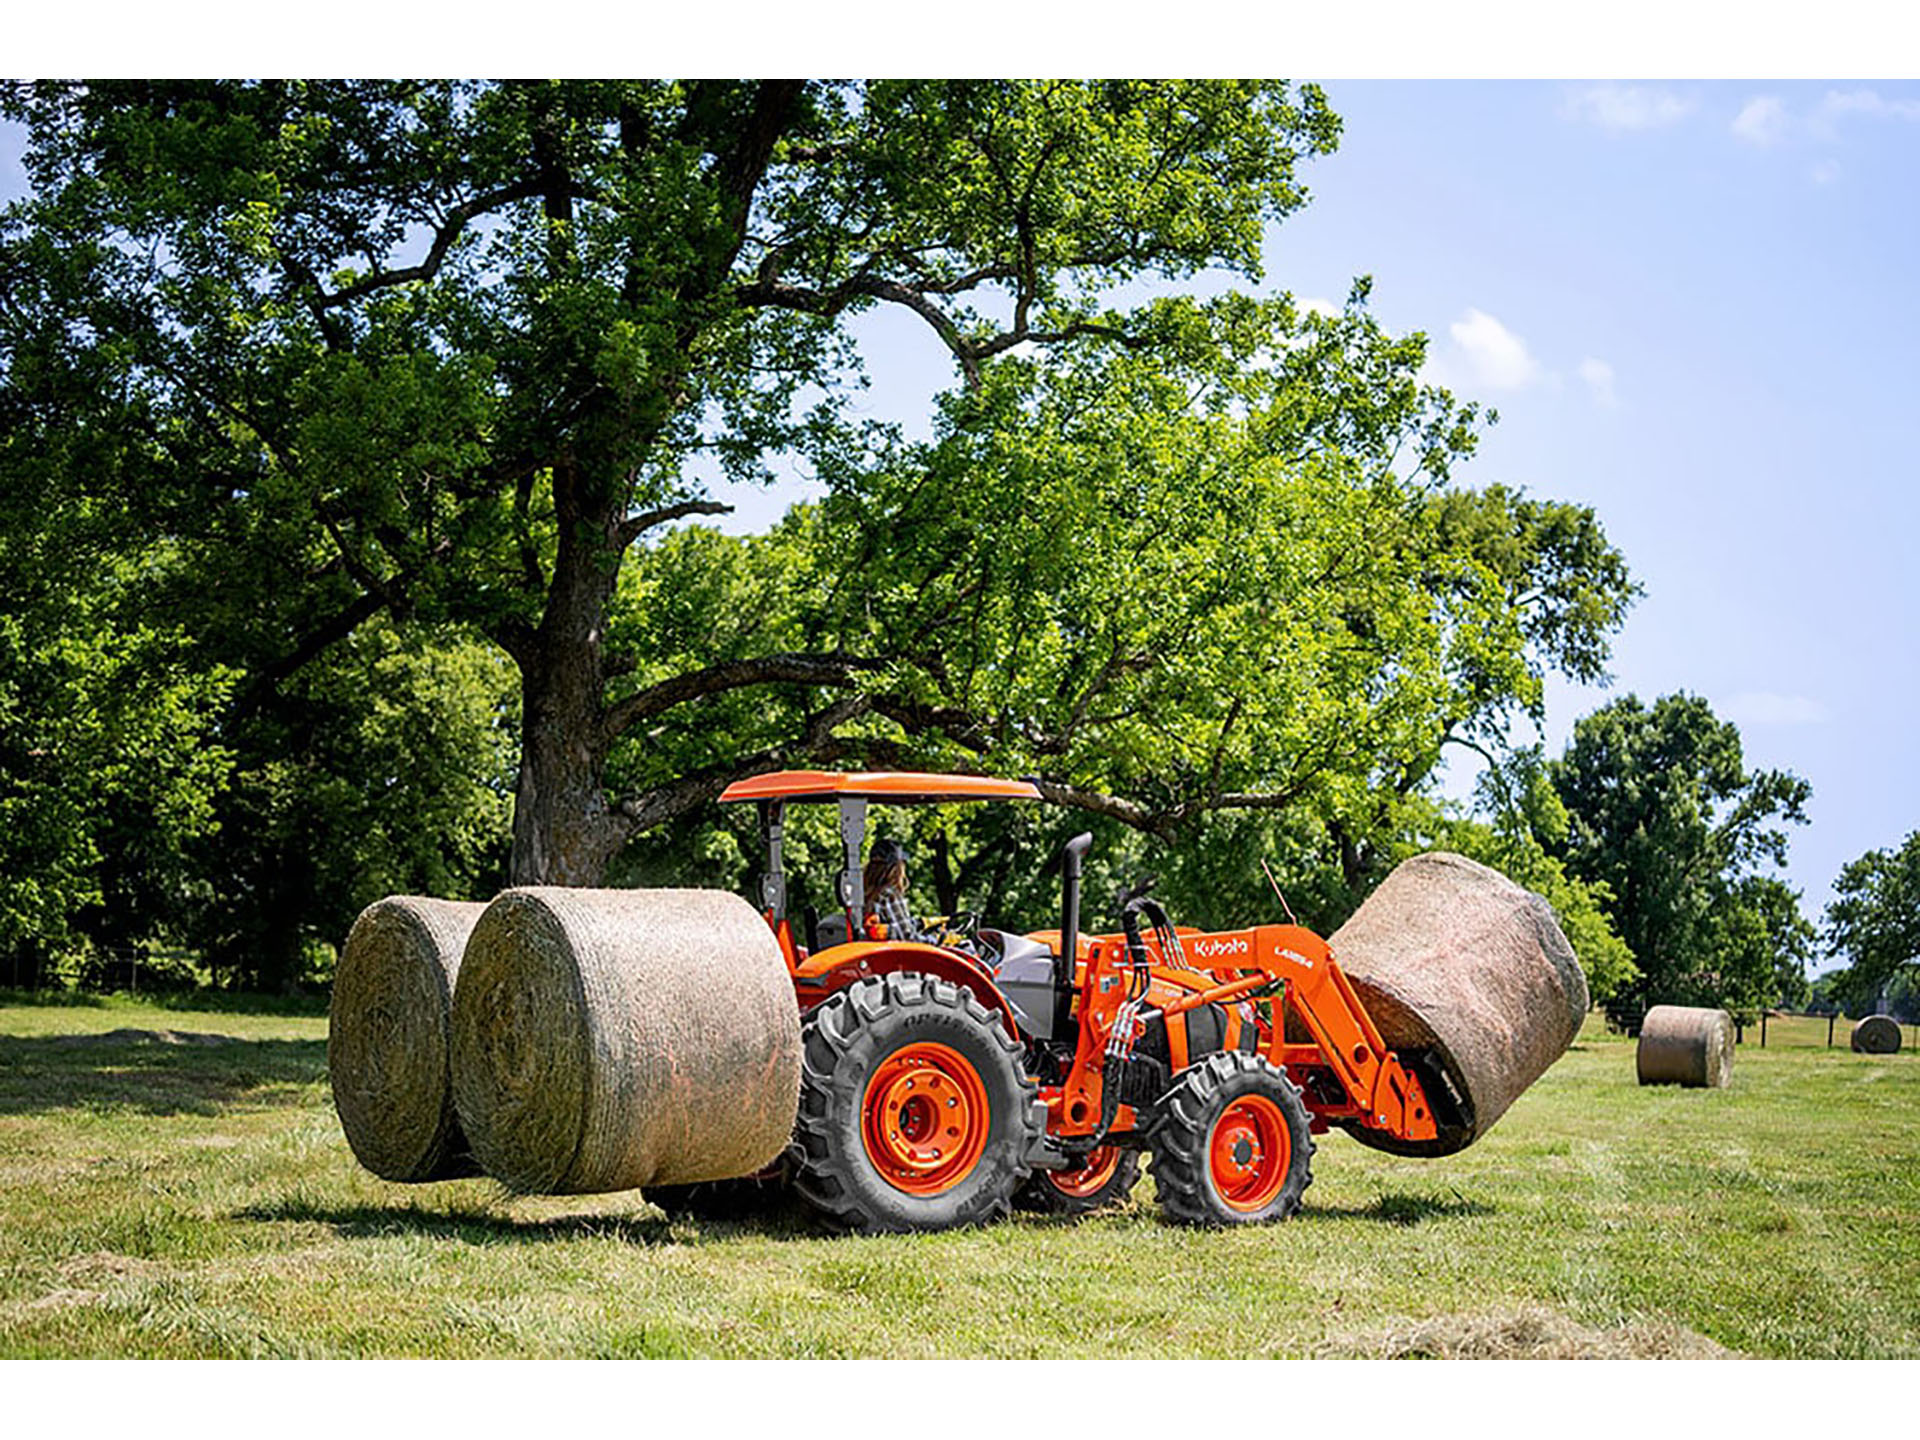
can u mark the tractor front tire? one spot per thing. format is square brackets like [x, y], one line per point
[1232, 1147]
[915, 1113]
[1106, 1179]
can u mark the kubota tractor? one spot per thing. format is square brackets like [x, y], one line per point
[942, 1082]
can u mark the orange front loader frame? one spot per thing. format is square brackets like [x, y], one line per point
[1296, 968]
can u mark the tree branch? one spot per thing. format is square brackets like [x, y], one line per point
[789, 668]
[449, 231]
[634, 526]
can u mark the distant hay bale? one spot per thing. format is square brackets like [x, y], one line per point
[1877, 1035]
[1685, 1045]
[1455, 959]
[387, 1037]
[610, 1039]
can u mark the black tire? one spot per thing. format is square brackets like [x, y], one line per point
[862, 1045]
[1193, 1191]
[751, 1196]
[1064, 1192]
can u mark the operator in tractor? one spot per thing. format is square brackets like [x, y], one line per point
[885, 883]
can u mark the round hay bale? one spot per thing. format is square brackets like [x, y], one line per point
[610, 1039]
[1456, 960]
[387, 1047]
[1685, 1045]
[1877, 1035]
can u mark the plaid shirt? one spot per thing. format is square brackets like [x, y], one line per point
[890, 909]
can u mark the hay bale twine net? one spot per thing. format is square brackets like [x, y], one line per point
[1685, 1045]
[387, 1049]
[1877, 1035]
[1454, 959]
[610, 1039]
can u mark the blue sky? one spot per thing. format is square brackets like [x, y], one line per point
[1695, 307]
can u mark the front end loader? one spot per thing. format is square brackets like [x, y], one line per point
[944, 1082]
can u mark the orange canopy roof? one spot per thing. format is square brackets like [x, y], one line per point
[899, 787]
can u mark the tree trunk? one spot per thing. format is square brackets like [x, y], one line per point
[564, 832]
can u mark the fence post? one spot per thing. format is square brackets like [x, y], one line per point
[1739, 1033]
[1829, 1032]
[1763, 1029]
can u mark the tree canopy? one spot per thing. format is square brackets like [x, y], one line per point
[1874, 922]
[374, 383]
[1663, 811]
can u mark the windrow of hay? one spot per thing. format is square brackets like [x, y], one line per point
[1877, 1035]
[387, 1037]
[1529, 1332]
[1685, 1045]
[610, 1039]
[1451, 957]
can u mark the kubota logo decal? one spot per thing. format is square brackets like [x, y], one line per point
[1209, 949]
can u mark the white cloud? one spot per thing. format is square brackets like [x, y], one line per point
[1314, 305]
[1599, 377]
[1486, 354]
[1825, 173]
[1627, 107]
[1869, 102]
[1761, 121]
[1765, 707]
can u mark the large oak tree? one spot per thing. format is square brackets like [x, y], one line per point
[451, 349]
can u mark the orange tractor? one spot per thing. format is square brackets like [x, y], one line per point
[941, 1082]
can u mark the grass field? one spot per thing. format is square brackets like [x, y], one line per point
[180, 1197]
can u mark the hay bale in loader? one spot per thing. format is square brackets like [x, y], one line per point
[1877, 1035]
[387, 1047]
[1686, 1045]
[1453, 959]
[611, 1039]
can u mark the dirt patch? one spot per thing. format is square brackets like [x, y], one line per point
[1528, 1333]
[144, 1037]
[97, 1265]
[61, 1299]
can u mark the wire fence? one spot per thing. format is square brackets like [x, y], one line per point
[1787, 1030]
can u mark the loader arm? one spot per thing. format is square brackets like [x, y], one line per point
[1379, 1092]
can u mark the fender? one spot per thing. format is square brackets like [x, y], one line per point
[822, 975]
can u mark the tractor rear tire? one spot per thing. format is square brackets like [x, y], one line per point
[915, 1113]
[1105, 1180]
[1233, 1146]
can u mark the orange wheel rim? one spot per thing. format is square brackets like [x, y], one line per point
[1250, 1152]
[925, 1118]
[1088, 1179]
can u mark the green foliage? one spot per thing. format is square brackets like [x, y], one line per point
[1875, 923]
[383, 768]
[1663, 812]
[383, 381]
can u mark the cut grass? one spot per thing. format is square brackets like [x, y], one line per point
[185, 1199]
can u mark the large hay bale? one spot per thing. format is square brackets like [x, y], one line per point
[610, 1039]
[1685, 1045]
[1456, 960]
[1877, 1035]
[387, 1037]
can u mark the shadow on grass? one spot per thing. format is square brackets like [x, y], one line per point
[1402, 1208]
[219, 1002]
[152, 1072]
[474, 1226]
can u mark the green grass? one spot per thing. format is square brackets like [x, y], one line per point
[193, 1199]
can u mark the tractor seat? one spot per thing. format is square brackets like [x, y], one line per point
[831, 931]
